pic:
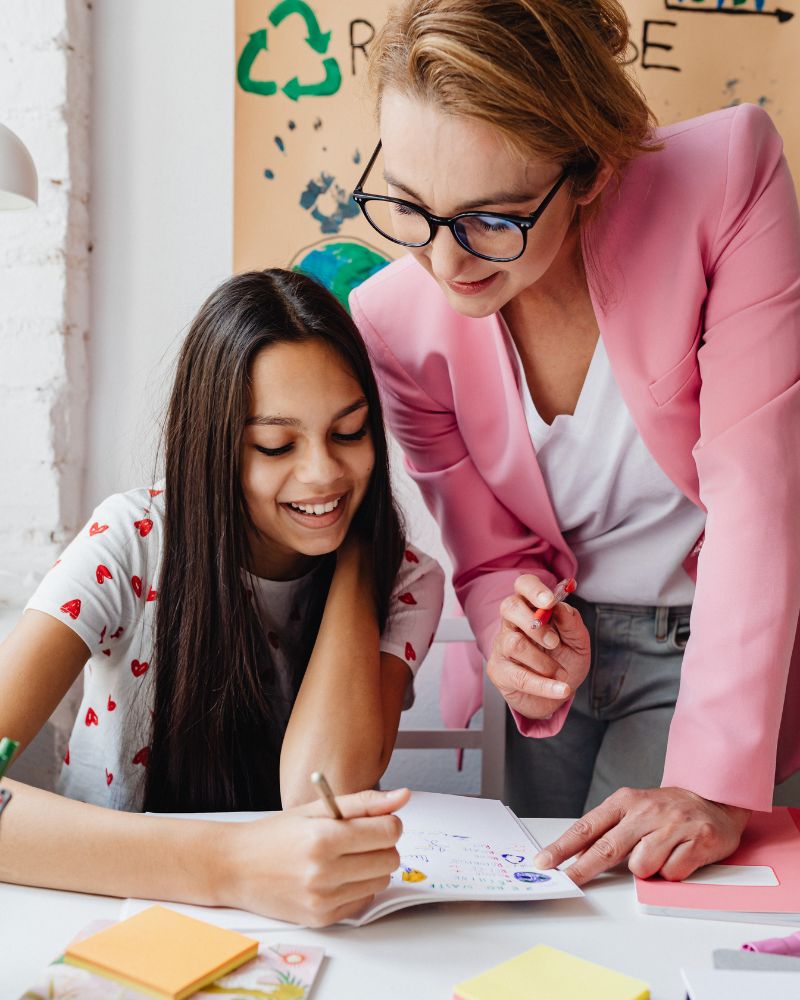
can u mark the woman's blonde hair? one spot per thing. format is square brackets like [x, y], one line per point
[549, 75]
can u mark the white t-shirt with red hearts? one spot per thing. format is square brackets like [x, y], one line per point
[105, 588]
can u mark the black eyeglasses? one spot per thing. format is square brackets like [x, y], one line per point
[488, 235]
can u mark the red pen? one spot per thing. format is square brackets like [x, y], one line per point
[543, 615]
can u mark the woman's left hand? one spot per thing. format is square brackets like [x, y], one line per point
[666, 831]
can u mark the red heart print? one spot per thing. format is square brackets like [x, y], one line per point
[66, 756]
[155, 493]
[106, 652]
[137, 668]
[407, 598]
[145, 526]
[117, 634]
[111, 704]
[98, 529]
[136, 583]
[410, 652]
[109, 777]
[142, 756]
[91, 717]
[274, 641]
[103, 635]
[152, 594]
[411, 556]
[103, 573]
[72, 608]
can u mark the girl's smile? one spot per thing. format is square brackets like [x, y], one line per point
[317, 513]
[307, 455]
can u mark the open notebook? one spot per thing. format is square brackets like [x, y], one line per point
[452, 848]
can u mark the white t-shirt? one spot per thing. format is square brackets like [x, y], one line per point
[105, 587]
[628, 524]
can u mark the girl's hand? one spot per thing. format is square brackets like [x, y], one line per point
[351, 553]
[669, 832]
[537, 670]
[303, 866]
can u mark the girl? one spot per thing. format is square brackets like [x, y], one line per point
[593, 349]
[254, 617]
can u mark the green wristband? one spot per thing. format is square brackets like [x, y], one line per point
[7, 750]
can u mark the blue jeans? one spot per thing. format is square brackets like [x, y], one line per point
[616, 731]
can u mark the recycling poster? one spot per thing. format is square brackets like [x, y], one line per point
[304, 121]
[304, 128]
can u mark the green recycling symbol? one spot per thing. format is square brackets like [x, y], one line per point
[316, 39]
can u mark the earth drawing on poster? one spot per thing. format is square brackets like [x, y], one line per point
[339, 264]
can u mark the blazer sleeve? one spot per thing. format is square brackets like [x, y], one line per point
[489, 547]
[724, 734]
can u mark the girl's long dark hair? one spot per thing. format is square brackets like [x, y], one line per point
[216, 730]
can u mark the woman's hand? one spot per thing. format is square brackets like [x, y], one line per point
[303, 866]
[666, 831]
[537, 670]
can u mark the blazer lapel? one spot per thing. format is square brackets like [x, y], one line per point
[492, 422]
[643, 322]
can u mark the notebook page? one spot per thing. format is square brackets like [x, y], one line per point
[454, 847]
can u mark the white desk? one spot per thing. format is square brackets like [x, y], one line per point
[420, 953]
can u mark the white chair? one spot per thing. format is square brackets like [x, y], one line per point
[489, 739]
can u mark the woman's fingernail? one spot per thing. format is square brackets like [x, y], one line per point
[550, 640]
[561, 690]
[544, 598]
[543, 860]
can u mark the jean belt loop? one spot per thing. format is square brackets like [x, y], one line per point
[662, 624]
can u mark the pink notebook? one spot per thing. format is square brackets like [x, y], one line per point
[758, 883]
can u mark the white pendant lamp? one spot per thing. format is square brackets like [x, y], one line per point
[19, 186]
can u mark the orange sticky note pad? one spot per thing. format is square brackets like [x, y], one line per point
[163, 953]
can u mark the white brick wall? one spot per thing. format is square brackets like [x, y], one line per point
[45, 62]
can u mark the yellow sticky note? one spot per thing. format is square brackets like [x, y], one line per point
[550, 974]
[163, 953]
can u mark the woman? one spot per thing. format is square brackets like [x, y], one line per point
[594, 373]
[256, 616]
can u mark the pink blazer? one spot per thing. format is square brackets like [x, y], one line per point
[697, 295]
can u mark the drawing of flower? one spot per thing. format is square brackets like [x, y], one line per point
[294, 958]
